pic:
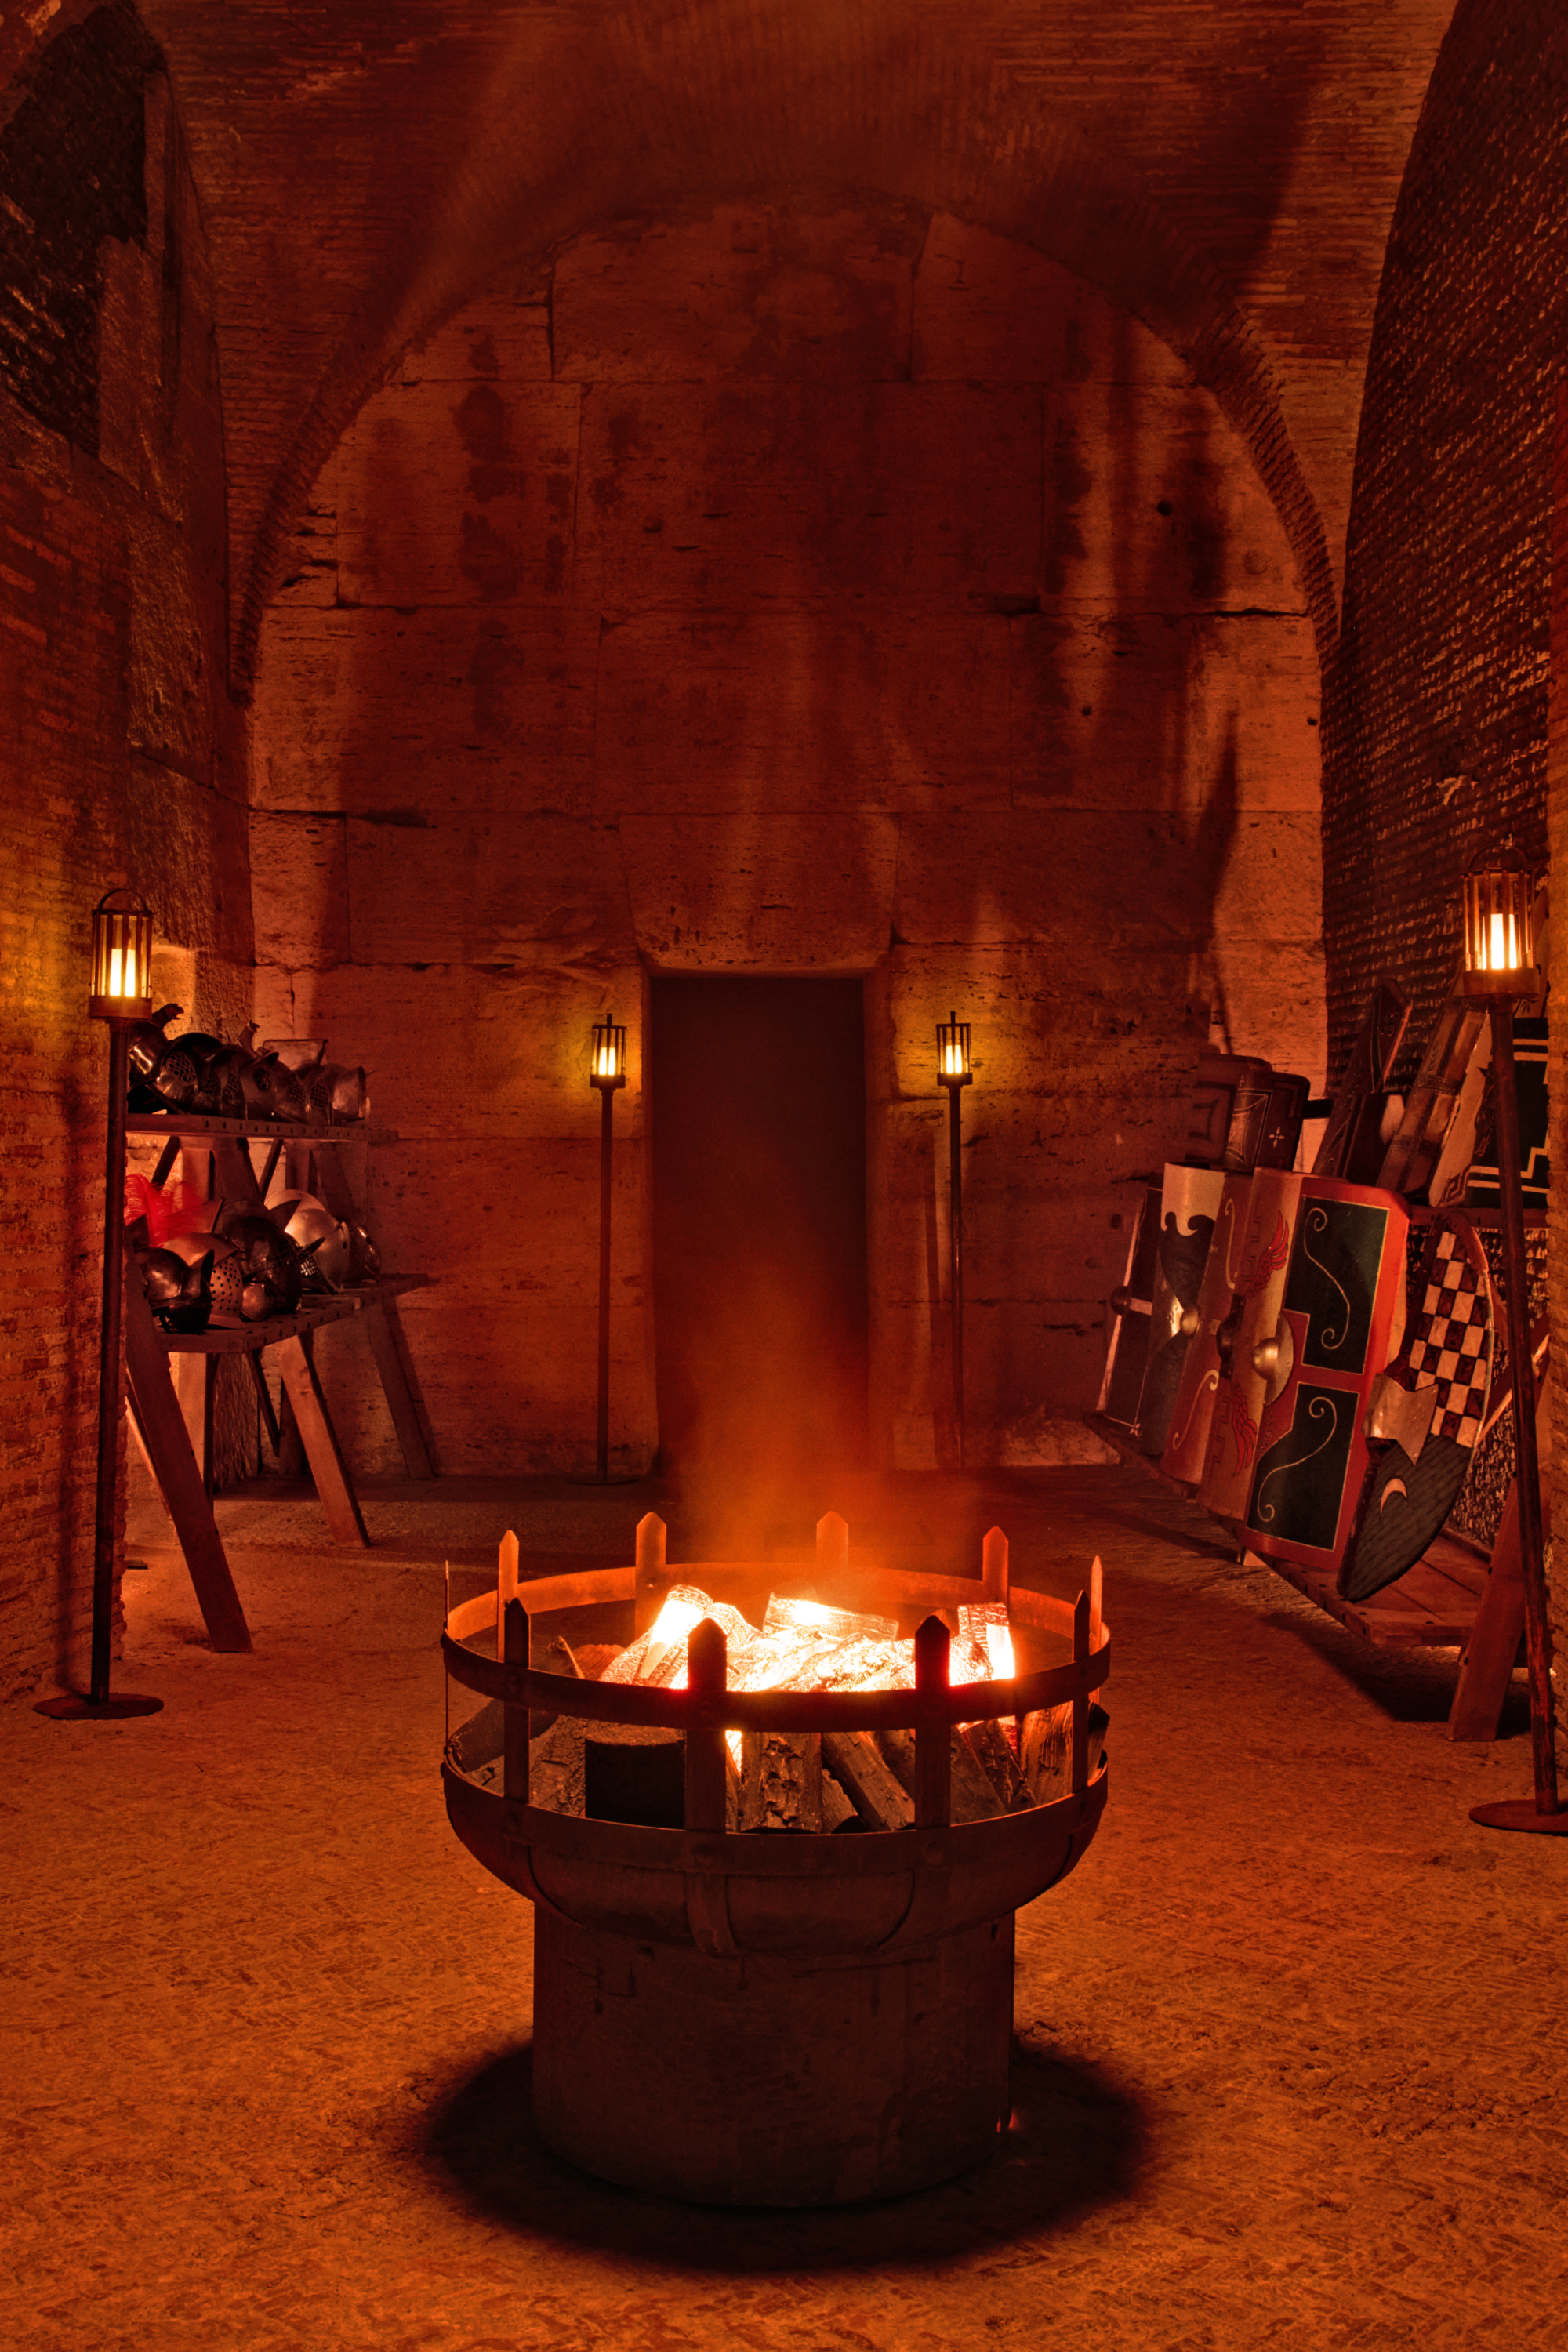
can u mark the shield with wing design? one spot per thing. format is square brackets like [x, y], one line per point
[1340, 1319]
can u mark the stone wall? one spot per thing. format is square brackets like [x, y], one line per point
[1443, 714]
[121, 756]
[770, 590]
[1436, 718]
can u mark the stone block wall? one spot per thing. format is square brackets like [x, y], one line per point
[772, 591]
[121, 760]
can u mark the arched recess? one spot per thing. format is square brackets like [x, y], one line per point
[850, 721]
[820, 105]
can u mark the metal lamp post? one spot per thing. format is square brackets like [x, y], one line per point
[1500, 966]
[608, 1072]
[953, 1071]
[119, 992]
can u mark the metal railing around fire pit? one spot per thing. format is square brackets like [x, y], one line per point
[862, 1985]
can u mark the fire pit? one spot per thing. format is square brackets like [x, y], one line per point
[800, 2018]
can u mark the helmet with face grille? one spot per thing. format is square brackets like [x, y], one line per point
[268, 1262]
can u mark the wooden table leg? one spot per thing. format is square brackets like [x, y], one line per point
[168, 1445]
[1493, 1646]
[345, 1521]
[381, 1329]
[1492, 1650]
[290, 1453]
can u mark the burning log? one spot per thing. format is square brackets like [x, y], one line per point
[793, 1781]
[877, 1794]
[786, 1615]
[838, 1808]
[555, 1770]
[1045, 1754]
[974, 1798]
[685, 1605]
[635, 1772]
[995, 1755]
[984, 1622]
[781, 1780]
[875, 1663]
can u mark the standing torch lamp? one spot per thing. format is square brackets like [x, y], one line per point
[121, 993]
[608, 1072]
[953, 1071]
[1500, 966]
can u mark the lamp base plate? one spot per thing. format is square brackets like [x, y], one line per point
[1520, 1814]
[71, 1706]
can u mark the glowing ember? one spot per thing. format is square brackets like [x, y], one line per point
[987, 1621]
[824, 1782]
[685, 1606]
[815, 1616]
[866, 1666]
[806, 1645]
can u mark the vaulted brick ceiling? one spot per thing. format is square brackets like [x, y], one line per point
[1226, 170]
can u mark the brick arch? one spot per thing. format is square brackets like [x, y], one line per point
[717, 108]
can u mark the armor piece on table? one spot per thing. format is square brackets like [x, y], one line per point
[226, 1279]
[178, 1291]
[300, 1055]
[1191, 1416]
[268, 1088]
[268, 1262]
[290, 1099]
[173, 1086]
[161, 1077]
[337, 1092]
[364, 1258]
[1244, 1388]
[321, 1238]
[223, 1083]
[219, 1093]
[1127, 1353]
[1189, 1204]
[1340, 1319]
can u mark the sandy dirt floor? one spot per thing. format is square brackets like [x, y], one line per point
[1290, 2060]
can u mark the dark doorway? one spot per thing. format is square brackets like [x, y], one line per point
[759, 1241]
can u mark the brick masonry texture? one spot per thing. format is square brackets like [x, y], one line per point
[1435, 712]
[1443, 710]
[121, 758]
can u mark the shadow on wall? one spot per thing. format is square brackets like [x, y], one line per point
[824, 687]
[1077, 2143]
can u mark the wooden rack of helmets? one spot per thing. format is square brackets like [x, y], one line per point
[1313, 1357]
[174, 1424]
